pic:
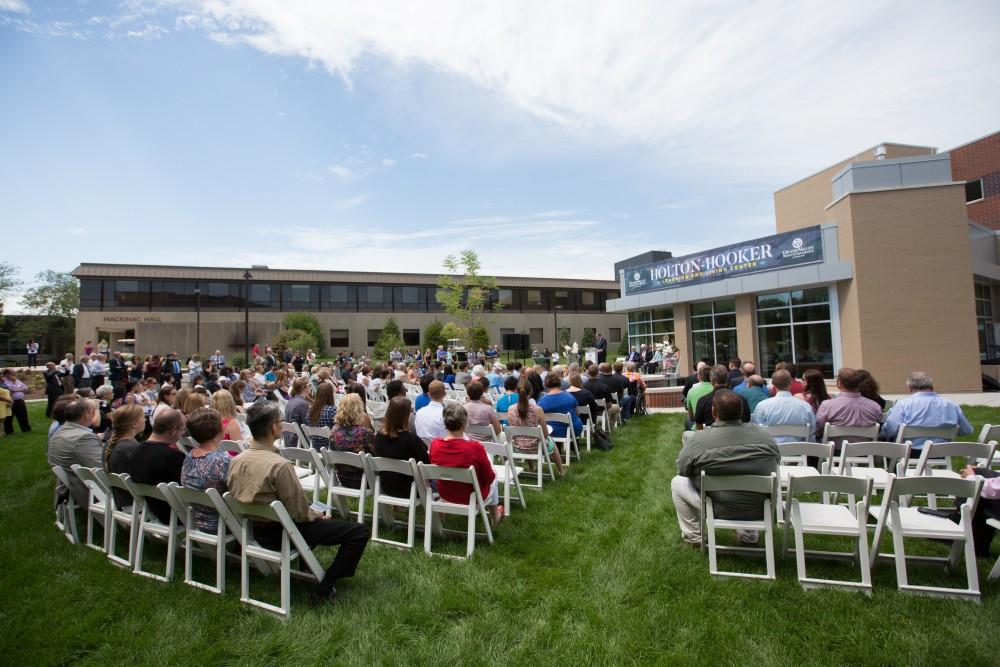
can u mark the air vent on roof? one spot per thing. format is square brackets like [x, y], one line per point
[880, 152]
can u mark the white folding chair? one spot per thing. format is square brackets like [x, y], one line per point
[127, 517]
[96, 507]
[838, 434]
[311, 432]
[971, 452]
[568, 441]
[794, 463]
[910, 522]
[989, 433]
[857, 459]
[995, 572]
[185, 500]
[474, 506]
[293, 546]
[241, 417]
[605, 421]
[481, 432]
[66, 509]
[384, 504]
[309, 468]
[829, 519]
[290, 429]
[588, 424]
[186, 443]
[149, 524]
[918, 436]
[506, 472]
[540, 457]
[233, 446]
[801, 432]
[767, 487]
[336, 493]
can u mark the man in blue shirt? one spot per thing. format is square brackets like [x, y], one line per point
[423, 399]
[784, 409]
[555, 400]
[924, 407]
[496, 380]
[754, 391]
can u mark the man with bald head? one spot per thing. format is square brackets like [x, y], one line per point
[727, 447]
[158, 459]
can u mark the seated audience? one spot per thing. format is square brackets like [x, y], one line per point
[430, 421]
[127, 422]
[397, 441]
[583, 395]
[850, 408]
[225, 406]
[164, 399]
[868, 388]
[507, 399]
[797, 387]
[523, 413]
[728, 447]
[351, 435]
[158, 460]
[454, 451]
[76, 442]
[555, 400]
[423, 399]
[754, 391]
[784, 409]
[924, 407]
[297, 408]
[322, 413]
[478, 412]
[703, 415]
[702, 387]
[206, 466]
[815, 389]
[262, 475]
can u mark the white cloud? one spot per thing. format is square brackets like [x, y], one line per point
[77, 231]
[418, 156]
[758, 88]
[388, 163]
[17, 6]
[340, 171]
[352, 202]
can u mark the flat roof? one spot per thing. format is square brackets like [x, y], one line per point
[173, 272]
[854, 158]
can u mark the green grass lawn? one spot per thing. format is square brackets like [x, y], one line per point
[593, 573]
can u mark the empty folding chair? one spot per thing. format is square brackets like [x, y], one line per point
[917, 436]
[66, 509]
[293, 546]
[540, 457]
[568, 441]
[970, 452]
[838, 434]
[507, 473]
[185, 501]
[794, 463]
[96, 507]
[150, 525]
[903, 522]
[384, 503]
[857, 459]
[310, 469]
[337, 494]
[475, 506]
[829, 519]
[125, 516]
[767, 487]
[588, 424]
[989, 433]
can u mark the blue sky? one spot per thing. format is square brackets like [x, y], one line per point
[320, 134]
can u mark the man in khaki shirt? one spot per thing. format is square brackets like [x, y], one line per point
[262, 475]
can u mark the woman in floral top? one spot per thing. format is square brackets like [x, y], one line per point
[350, 435]
[205, 467]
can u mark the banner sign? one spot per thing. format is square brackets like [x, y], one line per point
[803, 246]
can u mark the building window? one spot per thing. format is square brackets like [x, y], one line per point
[713, 330]
[795, 327]
[90, 294]
[505, 297]
[130, 294]
[590, 336]
[373, 336]
[300, 297]
[340, 338]
[537, 336]
[984, 321]
[973, 191]
[565, 336]
[263, 295]
[650, 327]
[562, 298]
[534, 297]
[614, 334]
[586, 298]
[411, 337]
[339, 297]
[221, 296]
[173, 295]
[411, 296]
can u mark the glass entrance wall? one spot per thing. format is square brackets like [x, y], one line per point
[795, 326]
[984, 322]
[713, 331]
[650, 326]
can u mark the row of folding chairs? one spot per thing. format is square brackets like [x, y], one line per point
[809, 517]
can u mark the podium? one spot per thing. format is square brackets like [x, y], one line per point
[590, 354]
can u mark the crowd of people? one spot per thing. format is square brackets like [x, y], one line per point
[128, 416]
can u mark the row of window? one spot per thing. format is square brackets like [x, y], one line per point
[96, 294]
[791, 326]
[340, 339]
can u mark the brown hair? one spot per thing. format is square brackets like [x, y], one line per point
[324, 397]
[204, 424]
[397, 417]
[524, 391]
[121, 420]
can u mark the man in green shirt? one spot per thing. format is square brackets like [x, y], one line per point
[702, 388]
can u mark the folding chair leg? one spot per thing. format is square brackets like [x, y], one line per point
[286, 576]
[866, 570]
[471, 542]
[995, 572]
[899, 554]
[769, 535]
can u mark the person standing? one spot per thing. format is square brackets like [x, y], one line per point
[32, 348]
[98, 370]
[81, 373]
[602, 349]
[53, 386]
[19, 409]
[118, 371]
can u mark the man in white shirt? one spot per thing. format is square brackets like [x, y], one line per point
[218, 359]
[783, 409]
[429, 421]
[98, 370]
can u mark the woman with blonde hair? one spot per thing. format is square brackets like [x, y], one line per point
[223, 403]
[350, 435]
[194, 401]
[127, 422]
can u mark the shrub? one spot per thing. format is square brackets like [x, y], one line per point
[433, 335]
[293, 339]
[389, 339]
[308, 323]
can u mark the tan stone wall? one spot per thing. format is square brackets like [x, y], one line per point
[912, 294]
[801, 204]
[746, 333]
[682, 338]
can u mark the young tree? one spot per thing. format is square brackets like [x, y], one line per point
[8, 282]
[465, 294]
[293, 339]
[433, 336]
[308, 323]
[54, 294]
[389, 339]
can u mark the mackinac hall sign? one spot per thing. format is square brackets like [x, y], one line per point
[803, 246]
